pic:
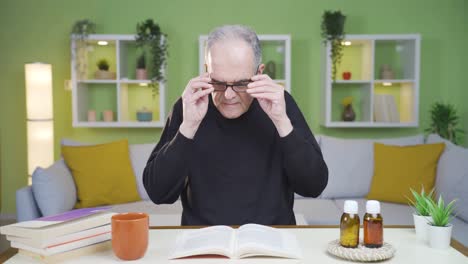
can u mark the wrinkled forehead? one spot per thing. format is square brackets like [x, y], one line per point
[230, 61]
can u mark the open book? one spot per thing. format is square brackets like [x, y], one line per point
[247, 241]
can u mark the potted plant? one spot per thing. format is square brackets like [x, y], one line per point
[348, 111]
[421, 215]
[440, 228]
[444, 121]
[333, 31]
[141, 73]
[103, 70]
[151, 39]
[80, 31]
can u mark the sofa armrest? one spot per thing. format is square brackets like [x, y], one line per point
[26, 206]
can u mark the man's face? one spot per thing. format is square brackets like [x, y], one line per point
[231, 62]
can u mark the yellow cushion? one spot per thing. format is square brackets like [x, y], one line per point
[399, 168]
[103, 173]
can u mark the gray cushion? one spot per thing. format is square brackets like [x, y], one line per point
[54, 188]
[139, 154]
[318, 211]
[26, 206]
[452, 175]
[351, 163]
[392, 213]
[460, 231]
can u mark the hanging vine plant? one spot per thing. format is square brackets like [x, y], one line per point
[153, 41]
[333, 31]
[80, 30]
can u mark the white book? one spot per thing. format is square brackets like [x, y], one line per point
[247, 241]
[58, 225]
[63, 247]
[64, 256]
[392, 108]
[53, 241]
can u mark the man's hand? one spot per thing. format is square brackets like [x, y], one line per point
[195, 104]
[270, 96]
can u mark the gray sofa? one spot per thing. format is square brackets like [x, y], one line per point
[350, 178]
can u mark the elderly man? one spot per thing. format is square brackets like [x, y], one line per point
[236, 146]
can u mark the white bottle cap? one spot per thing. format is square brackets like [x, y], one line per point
[373, 207]
[351, 207]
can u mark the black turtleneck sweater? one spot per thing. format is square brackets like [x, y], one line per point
[236, 171]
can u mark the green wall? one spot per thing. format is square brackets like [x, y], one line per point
[39, 31]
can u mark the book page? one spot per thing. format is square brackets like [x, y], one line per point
[258, 240]
[217, 240]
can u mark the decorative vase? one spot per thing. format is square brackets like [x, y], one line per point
[141, 74]
[108, 115]
[104, 75]
[91, 116]
[439, 236]
[386, 72]
[348, 113]
[421, 227]
[346, 75]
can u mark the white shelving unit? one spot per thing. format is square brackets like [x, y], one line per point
[276, 49]
[124, 95]
[363, 56]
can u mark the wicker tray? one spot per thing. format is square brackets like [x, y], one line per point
[361, 253]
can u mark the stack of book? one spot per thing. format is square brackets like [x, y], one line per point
[68, 235]
[385, 108]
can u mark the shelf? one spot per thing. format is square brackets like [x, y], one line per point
[351, 82]
[97, 81]
[355, 124]
[390, 99]
[357, 60]
[361, 100]
[119, 124]
[134, 97]
[124, 95]
[98, 97]
[135, 81]
[399, 55]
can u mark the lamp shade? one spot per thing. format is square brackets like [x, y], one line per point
[40, 144]
[38, 91]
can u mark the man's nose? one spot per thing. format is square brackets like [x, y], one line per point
[229, 93]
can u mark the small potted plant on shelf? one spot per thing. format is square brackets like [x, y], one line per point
[421, 215]
[103, 71]
[80, 31]
[445, 121]
[440, 228]
[333, 31]
[151, 39]
[348, 111]
[141, 73]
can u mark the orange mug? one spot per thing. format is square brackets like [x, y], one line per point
[130, 235]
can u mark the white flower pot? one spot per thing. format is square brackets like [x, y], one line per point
[439, 236]
[421, 226]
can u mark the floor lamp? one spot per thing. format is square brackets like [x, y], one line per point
[39, 116]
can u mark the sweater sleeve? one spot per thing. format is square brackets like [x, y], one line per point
[302, 158]
[167, 167]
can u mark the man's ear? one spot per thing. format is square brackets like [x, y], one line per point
[261, 68]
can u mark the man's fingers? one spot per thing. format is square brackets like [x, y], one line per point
[260, 77]
[200, 94]
[270, 96]
[264, 89]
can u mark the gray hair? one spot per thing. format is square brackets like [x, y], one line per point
[237, 32]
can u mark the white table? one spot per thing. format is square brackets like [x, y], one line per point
[312, 240]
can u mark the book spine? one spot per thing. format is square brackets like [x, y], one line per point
[62, 248]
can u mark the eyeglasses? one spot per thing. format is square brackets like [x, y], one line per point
[239, 87]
